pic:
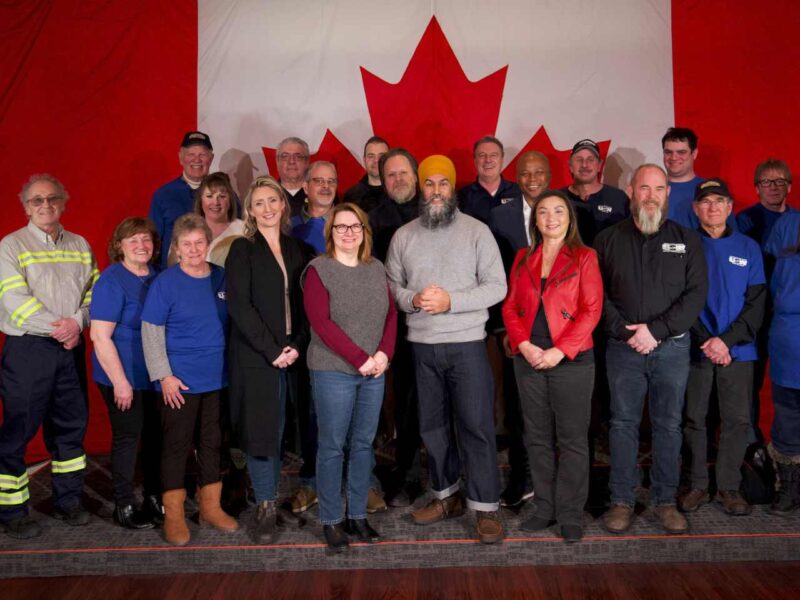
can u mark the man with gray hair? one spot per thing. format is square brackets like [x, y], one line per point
[320, 190]
[292, 157]
[46, 280]
[655, 282]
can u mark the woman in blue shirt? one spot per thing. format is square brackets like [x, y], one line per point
[784, 348]
[119, 369]
[184, 325]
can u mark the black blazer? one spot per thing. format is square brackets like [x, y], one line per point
[256, 307]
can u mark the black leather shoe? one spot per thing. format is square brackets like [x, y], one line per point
[336, 537]
[262, 530]
[154, 510]
[362, 530]
[398, 498]
[22, 528]
[572, 533]
[75, 516]
[536, 523]
[287, 518]
[127, 517]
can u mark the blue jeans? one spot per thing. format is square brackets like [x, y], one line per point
[455, 387]
[661, 376]
[348, 407]
[265, 471]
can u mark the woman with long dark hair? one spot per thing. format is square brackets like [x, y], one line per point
[554, 302]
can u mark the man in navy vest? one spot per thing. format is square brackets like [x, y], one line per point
[723, 350]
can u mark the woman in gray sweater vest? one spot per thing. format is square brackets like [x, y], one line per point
[353, 327]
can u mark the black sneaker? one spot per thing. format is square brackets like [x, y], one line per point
[75, 516]
[22, 528]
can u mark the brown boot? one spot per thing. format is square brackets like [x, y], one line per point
[211, 512]
[175, 530]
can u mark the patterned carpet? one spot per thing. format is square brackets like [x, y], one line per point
[105, 549]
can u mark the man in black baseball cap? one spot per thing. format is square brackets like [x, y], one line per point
[597, 205]
[176, 197]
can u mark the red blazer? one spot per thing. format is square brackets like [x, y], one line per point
[573, 299]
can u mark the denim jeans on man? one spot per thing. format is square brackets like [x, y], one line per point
[661, 377]
[348, 407]
[265, 471]
[455, 386]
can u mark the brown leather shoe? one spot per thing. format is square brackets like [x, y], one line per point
[375, 502]
[733, 503]
[671, 520]
[490, 529]
[618, 518]
[439, 510]
[693, 499]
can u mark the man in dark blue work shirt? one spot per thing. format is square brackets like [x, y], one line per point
[489, 189]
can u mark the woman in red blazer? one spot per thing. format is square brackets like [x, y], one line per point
[555, 297]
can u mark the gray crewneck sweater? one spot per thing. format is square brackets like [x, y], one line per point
[463, 259]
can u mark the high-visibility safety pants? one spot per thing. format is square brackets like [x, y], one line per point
[41, 383]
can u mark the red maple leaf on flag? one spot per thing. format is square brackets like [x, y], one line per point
[435, 109]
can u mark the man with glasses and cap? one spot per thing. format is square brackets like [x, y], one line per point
[176, 197]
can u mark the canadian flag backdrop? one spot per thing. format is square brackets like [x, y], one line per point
[99, 93]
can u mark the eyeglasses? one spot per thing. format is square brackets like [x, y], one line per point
[709, 202]
[294, 156]
[323, 181]
[342, 229]
[765, 183]
[38, 201]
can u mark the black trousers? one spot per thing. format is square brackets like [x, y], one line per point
[42, 384]
[140, 422]
[197, 421]
[734, 393]
[556, 406]
[519, 475]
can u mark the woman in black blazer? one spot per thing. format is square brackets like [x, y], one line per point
[268, 332]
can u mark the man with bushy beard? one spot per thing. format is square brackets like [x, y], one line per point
[445, 271]
[655, 279]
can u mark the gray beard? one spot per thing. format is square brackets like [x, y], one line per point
[401, 200]
[437, 217]
[648, 225]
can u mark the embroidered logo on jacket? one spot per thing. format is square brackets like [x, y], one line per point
[673, 247]
[604, 208]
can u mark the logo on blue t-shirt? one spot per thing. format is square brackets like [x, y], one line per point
[221, 295]
[739, 262]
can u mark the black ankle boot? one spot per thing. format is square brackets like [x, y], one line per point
[336, 537]
[153, 510]
[786, 499]
[129, 518]
[362, 530]
[262, 530]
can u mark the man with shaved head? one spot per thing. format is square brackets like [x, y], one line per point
[655, 279]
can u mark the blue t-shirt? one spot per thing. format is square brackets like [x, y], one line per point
[195, 314]
[118, 297]
[756, 222]
[785, 235]
[311, 231]
[170, 201]
[784, 333]
[734, 264]
[681, 198]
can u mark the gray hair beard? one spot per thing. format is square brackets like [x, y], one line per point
[648, 225]
[437, 217]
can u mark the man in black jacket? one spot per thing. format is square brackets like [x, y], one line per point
[655, 280]
[400, 205]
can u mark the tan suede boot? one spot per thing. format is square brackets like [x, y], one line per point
[175, 530]
[211, 512]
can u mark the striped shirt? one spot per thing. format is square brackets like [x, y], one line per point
[42, 281]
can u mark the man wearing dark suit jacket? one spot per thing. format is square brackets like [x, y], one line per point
[509, 224]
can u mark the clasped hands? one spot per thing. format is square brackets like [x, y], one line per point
[540, 359]
[285, 359]
[67, 332]
[642, 340]
[433, 300]
[717, 351]
[375, 365]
